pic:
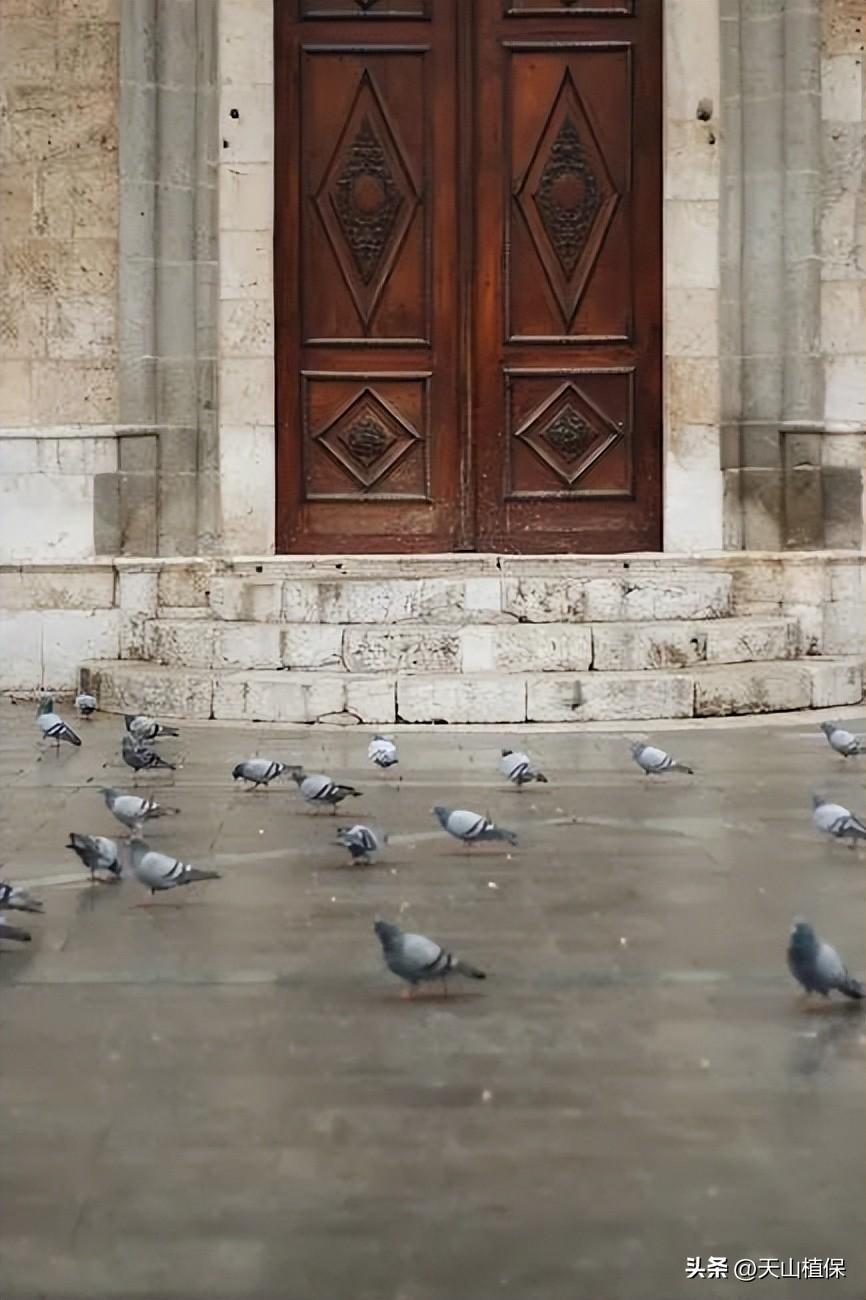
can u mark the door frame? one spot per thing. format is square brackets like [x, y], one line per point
[692, 478]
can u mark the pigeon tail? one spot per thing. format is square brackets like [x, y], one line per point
[851, 987]
[15, 932]
[471, 972]
[682, 767]
[539, 776]
[192, 874]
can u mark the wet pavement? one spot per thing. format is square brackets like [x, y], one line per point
[223, 1095]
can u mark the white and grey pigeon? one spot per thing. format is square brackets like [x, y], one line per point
[97, 852]
[18, 899]
[158, 871]
[836, 820]
[85, 704]
[817, 966]
[141, 757]
[518, 768]
[417, 959]
[471, 827]
[52, 725]
[317, 788]
[259, 771]
[653, 761]
[844, 742]
[8, 931]
[141, 727]
[363, 842]
[382, 751]
[132, 810]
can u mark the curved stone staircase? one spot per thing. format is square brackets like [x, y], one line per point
[486, 639]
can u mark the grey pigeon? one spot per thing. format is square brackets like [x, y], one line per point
[817, 966]
[836, 820]
[8, 931]
[159, 871]
[141, 757]
[260, 771]
[97, 852]
[144, 728]
[518, 769]
[843, 741]
[382, 752]
[415, 958]
[132, 810]
[18, 899]
[363, 843]
[317, 788]
[85, 704]
[52, 725]
[654, 761]
[471, 826]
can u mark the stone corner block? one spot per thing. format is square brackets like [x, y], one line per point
[752, 688]
[434, 697]
[836, 682]
[603, 697]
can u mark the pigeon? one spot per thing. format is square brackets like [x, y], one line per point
[415, 958]
[833, 819]
[18, 899]
[382, 752]
[817, 966]
[96, 852]
[85, 704]
[139, 756]
[317, 788]
[158, 871]
[653, 761]
[132, 810]
[843, 741]
[142, 728]
[8, 931]
[363, 843]
[517, 768]
[52, 725]
[471, 826]
[261, 771]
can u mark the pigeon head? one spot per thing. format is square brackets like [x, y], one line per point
[506, 752]
[237, 771]
[817, 800]
[441, 813]
[386, 932]
[46, 705]
[828, 728]
[297, 775]
[802, 935]
[637, 746]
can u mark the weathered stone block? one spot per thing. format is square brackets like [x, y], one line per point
[182, 644]
[635, 647]
[526, 647]
[440, 698]
[71, 636]
[137, 591]
[61, 588]
[184, 587]
[428, 600]
[297, 697]
[670, 595]
[756, 587]
[299, 602]
[836, 682]
[246, 600]
[416, 650]
[247, 645]
[146, 688]
[20, 651]
[733, 641]
[544, 600]
[805, 582]
[844, 629]
[600, 697]
[751, 688]
[312, 646]
[848, 581]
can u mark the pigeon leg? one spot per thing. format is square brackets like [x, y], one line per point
[444, 987]
[408, 993]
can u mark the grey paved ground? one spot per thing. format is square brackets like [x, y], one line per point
[229, 1099]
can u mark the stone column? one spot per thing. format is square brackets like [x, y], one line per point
[168, 456]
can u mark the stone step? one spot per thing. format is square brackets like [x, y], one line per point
[512, 647]
[265, 695]
[595, 591]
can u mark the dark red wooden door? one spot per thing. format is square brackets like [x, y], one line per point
[469, 275]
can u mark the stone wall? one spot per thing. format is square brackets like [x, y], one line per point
[58, 270]
[793, 335]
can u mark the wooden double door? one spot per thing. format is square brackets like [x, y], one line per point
[468, 267]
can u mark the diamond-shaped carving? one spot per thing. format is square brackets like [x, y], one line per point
[367, 199]
[567, 198]
[568, 433]
[368, 439]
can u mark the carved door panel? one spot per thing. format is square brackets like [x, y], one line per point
[567, 322]
[369, 441]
